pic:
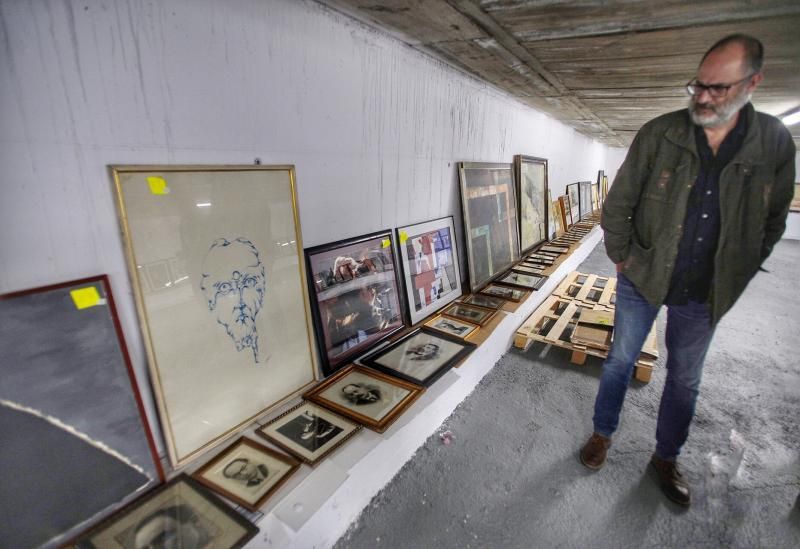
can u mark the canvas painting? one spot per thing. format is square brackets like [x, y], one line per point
[532, 196]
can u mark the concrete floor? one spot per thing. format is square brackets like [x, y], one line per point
[511, 477]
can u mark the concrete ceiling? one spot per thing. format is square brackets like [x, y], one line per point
[604, 67]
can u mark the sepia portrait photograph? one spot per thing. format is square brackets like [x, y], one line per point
[308, 431]
[451, 326]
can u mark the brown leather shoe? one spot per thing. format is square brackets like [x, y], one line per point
[593, 453]
[673, 483]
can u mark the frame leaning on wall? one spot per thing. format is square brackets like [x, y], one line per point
[228, 331]
[532, 201]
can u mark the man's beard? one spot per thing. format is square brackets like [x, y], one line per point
[717, 115]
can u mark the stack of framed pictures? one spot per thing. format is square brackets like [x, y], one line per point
[532, 200]
[490, 220]
[355, 296]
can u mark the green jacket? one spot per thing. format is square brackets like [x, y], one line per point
[644, 212]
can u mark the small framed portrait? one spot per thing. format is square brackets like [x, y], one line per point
[371, 398]
[180, 513]
[247, 472]
[470, 313]
[504, 292]
[527, 281]
[421, 356]
[309, 432]
[527, 269]
[451, 326]
[482, 300]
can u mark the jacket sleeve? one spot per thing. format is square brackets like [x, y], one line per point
[780, 197]
[623, 197]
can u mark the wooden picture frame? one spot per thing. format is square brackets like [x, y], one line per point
[309, 432]
[182, 507]
[429, 256]
[473, 314]
[483, 300]
[452, 326]
[527, 269]
[421, 356]
[566, 212]
[573, 194]
[489, 205]
[584, 199]
[356, 298]
[233, 318]
[76, 442]
[369, 397]
[521, 280]
[532, 200]
[504, 292]
[247, 472]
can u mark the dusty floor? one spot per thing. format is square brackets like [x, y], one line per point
[511, 477]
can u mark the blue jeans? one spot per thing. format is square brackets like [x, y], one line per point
[689, 333]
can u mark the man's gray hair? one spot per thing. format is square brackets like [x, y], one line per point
[753, 50]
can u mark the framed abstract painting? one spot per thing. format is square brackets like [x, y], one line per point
[532, 200]
[226, 323]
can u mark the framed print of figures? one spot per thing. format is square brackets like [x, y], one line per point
[504, 292]
[181, 513]
[355, 296]
[451, 326]
[309, 432]
[420, 357]
[490, 219]
[371, 398]
[227, 326]
[247, 473]
[75, 444]
[430, 266]
[585, 198]
[531, 178]
[470, 313]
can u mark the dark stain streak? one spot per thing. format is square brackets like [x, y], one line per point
[73, 36]
[384, 9]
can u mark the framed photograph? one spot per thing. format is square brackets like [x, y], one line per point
[483, 300]
[529, 282]
[309, 432]
[180, 513]
[574, 198]
[430, 266]
[451, 326]
[371, 398]
[247, 472]
[355, 296]
[71, 415]
[526, 269]
[470, 313]
[236, 321]
[420, 357]
[566, 212]
[504, 292]
[531, 178]
[557, 217]
[490, 220]
[585, 199]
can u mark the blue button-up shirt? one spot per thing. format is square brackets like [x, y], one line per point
[694, 266]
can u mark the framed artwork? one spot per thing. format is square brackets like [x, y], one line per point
[598, 189]
[566, 212]
[355, 293]
[490, 220]
[231, 318]
[71, 415]
[430, 266]
[585, 199]
[795, 204]
[483, 300]
[557, 217]
[470, 313]
[527, 281]
[371, 398]
[531, 178]
[309, 432]
[420, 357]
[247, 473]
[574, 198]
[525, 269]
[451, 326]
[504, 292]
[604, 189]
[180, 513]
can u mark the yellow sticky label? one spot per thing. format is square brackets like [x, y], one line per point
[386, 242]
[85, 297]
[602, 321]
[403, 237]
[158, 185]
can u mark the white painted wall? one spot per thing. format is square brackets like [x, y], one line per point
[373, 127]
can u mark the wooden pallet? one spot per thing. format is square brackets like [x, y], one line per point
[589, 289]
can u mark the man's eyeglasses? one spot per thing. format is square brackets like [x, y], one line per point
[694, 87]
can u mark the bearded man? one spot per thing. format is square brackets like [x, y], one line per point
[696, 207]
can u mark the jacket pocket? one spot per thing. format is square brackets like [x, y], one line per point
[639, 262]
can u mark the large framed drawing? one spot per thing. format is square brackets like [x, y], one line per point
[531, 178]
[574, 198]
[430, 266]
[355, 291]
[181, 513]
[490, 220]
[75, 443]
[585, 199]
[228, 332]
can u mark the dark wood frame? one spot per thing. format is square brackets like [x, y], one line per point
[490, 313]
[429, 325]
[253, 506]
[581, 206]
[485, 289]
[519, 159]
[328, 366]
[468, 299]
[539, 283]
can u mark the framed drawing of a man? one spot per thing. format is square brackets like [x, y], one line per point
[531, 178]
[228, 334]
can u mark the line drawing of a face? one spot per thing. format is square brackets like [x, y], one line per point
[233, 282]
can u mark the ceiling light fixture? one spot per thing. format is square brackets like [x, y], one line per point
[791, 117]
